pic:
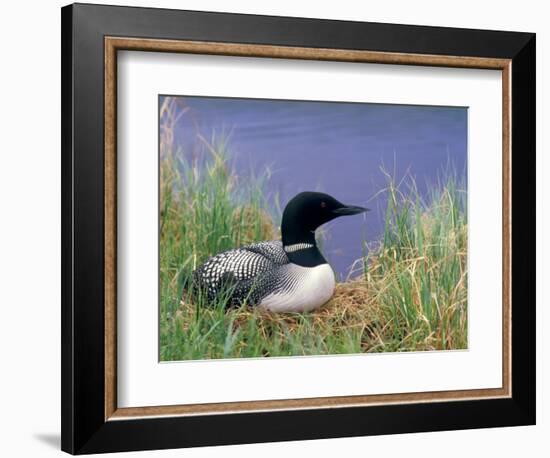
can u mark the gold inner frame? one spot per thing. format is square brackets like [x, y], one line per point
[114, 44]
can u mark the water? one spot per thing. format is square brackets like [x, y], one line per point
[337, 148]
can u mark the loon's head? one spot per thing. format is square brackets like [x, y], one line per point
[306, 211]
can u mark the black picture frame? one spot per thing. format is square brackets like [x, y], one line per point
[84, 428]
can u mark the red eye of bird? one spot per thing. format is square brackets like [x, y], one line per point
[323, 204]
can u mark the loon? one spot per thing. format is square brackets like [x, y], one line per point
[280, 276]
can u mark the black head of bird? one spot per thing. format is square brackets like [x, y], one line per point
[306, 211]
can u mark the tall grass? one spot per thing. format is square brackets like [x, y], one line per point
[411, 293]
[204, 209]
[418, 277]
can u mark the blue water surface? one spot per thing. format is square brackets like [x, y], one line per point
[337, 148]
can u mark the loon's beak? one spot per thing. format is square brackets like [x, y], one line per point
[349, 210]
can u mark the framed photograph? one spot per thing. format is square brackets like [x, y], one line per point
[281, 228]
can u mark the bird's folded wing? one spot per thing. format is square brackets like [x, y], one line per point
[271, 250]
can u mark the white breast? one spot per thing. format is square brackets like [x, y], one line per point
[313, 287]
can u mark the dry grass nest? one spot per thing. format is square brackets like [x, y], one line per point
[353, 306]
